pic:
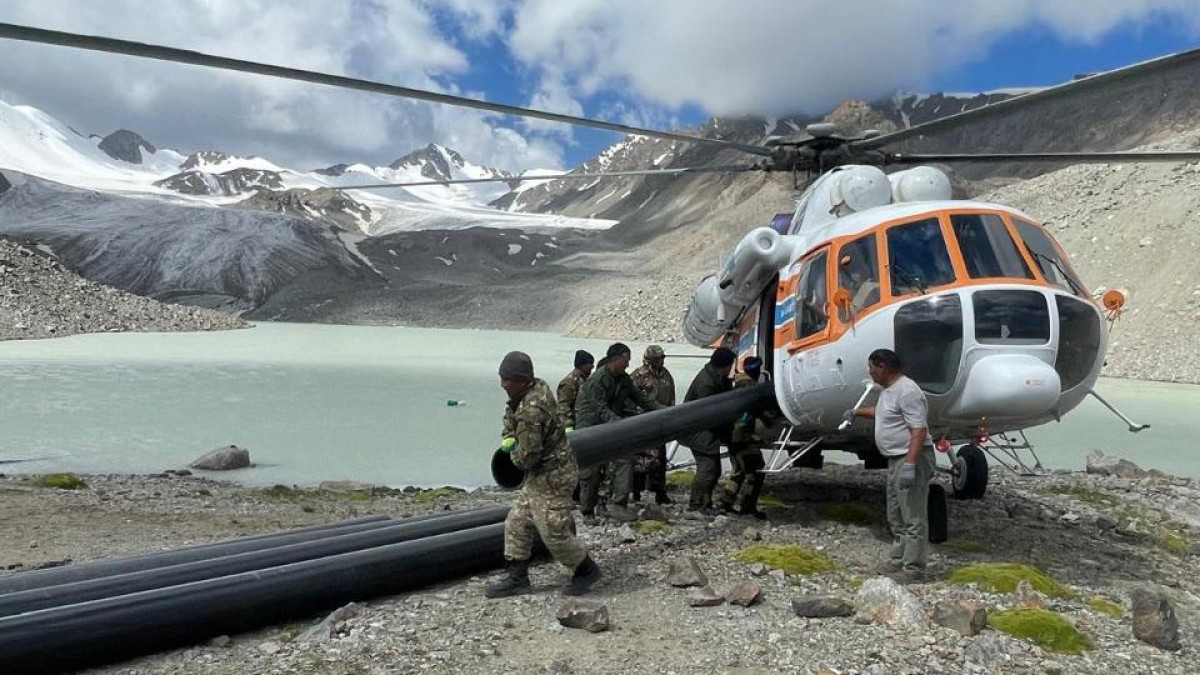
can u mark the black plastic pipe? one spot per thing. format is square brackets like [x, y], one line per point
[22, 581]
[162, 577]
[606, 441]
[102, 631]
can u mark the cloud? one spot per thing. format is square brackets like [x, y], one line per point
[774, 57]
[191, 108]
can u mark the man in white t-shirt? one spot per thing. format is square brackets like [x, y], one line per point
[900, 435]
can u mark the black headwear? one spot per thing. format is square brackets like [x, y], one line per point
[583, 358]
[722, 357]
[517, 366]
[617, 349]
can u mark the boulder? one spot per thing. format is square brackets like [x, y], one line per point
[705, 596]
[965, 616]
[1108, 465]
[881, 600]
[1154, 619]
[991, 649]
[345, 487]
[822, 606]
[626, 534]
[585, 615]
[752, 534]
[759, 570]
[1026, 596]
[686, 572]
[330, 625]
[223, 459]
[744, 594]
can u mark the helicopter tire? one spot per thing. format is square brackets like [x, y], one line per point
[873, 459]
[815, 459]
[935, 507]
[970, 473]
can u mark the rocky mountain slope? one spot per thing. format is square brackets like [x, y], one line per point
[40, 299]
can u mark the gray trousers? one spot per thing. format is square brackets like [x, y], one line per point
[907, 513]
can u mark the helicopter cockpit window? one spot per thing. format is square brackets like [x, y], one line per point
[917, 257]
[987, 247]
[858, 274]
[812, 297]
[1042, 249]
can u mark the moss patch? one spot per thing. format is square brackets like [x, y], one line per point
[849, 513]
[357, 496]
[651, 527]
[1103, 605]
[966, 546]
[1174, 541]
[61, 481]
[683, 479]
[770, 501]
[426, 496]
[1086, 495]
[790, 559]
[1004, 577]
[1049, 630]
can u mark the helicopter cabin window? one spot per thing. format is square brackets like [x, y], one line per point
[1079, 338]
[858, 274]
[1011, 317]
[917, 257]
[812, 297]
[1041, 248]
[987, 248]
[929, 341]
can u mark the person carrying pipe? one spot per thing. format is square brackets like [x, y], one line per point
[655, 381]
[605, 397]
[568, 388]
[537, 442]
[745, 453]
[706, 444]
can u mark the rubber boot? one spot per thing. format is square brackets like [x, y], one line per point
[586, 574]
[515, 582]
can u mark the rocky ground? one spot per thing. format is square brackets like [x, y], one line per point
[1102, 537]
[41, 299]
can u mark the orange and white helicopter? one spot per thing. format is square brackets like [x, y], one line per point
[978, 299]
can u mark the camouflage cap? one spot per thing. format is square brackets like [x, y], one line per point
[654, 352]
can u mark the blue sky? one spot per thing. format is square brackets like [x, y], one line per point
[659, 64]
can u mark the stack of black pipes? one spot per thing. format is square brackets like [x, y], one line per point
[67, 618]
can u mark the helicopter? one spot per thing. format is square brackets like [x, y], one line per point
[978, 299]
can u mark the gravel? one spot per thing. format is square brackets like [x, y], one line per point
[452, 628]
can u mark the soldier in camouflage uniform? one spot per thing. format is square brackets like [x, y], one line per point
[656, 382]
[538, 443]
[745, 453]
[706, 444]
[568, 388]
[606, 397]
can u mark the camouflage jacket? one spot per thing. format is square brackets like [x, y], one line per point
[541, 440]
[606, 396]
[659, 386]
[708, 382]
[568, 395]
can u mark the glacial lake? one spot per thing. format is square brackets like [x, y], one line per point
[317, 402]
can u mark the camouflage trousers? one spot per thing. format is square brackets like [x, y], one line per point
[543, 509]
[706, 448]
[747, 462]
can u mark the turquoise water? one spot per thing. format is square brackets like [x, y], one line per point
[316, 403]
[310, 402]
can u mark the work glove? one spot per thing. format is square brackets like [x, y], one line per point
[848, 417]
[509, 445]
[570, 429]
[908, 475]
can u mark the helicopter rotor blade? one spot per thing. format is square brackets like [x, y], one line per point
[736, 168]
[1069, 157]
[1010, 105]
[162, 53]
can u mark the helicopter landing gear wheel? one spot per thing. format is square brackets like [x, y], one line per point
[969, 474]
[935, 509]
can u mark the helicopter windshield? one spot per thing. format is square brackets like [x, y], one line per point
[987, 248]
[1054, 268]
[917, 257]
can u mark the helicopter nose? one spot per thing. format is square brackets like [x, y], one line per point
[1007, 385]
